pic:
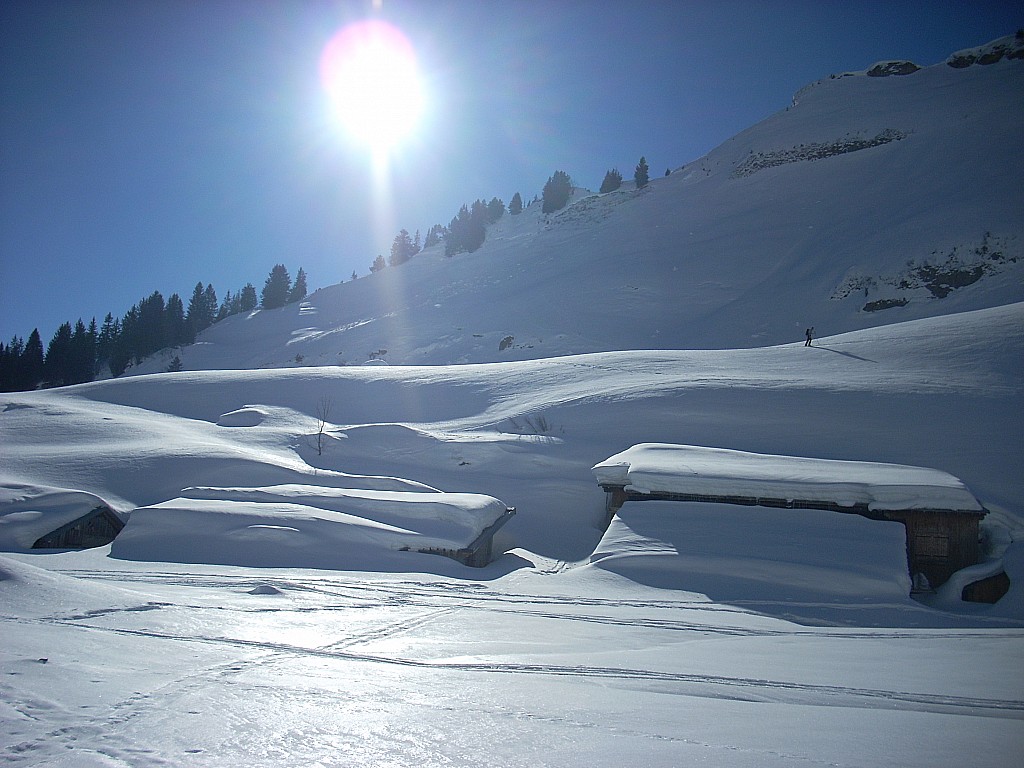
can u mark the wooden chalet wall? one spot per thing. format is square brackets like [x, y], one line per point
[939, 542]
[93, 529]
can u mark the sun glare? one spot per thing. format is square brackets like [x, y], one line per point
[369, 71]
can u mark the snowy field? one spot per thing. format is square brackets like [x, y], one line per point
[685, 634]
[266, 605]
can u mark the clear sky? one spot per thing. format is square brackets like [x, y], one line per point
[152, 145]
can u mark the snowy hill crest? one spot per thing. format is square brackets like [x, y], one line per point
[865, 182]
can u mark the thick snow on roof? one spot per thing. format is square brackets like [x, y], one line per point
[29, 512]
[690, 469]
[301, 525]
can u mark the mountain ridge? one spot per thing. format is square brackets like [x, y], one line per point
[862, 180]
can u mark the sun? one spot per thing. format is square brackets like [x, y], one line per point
[370, 73]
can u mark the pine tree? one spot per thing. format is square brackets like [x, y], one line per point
[121, 354]
[198, 316]
[82, 362]
[354, 275]
[31, 364]
[12, 375]
[298, 292]
[225, 307]
[9, 369]
[612, 180]
[453, 234]
[640, 175]
[378, 264]
[401, 249]
[57, 364]
[495, 210]
[276, 288]
[516, 206]
[175, 329]
[556, 192]
[94, 339]
[249, 301]
[152, 326]
[109, 332]
[434, 236]
[210, 300]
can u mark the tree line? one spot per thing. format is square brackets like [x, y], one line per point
[79, 353]
[468, 228]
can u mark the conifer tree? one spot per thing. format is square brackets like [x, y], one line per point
[378, 264]
[152, 326]
[58, 357]
[94, 338]
[109, 332]
[175, 330]
[495, 210]
[31, 363]
[12, 374]
[640, 175]
[82, 360]
[210, 300]
[225, 307]
[515, 207]
[556, 192]
[276, 288]
[249, 301]
[434, 236]
[401, 249]
[298, 292]
[612, 180]
[10, 363]
[199, 316]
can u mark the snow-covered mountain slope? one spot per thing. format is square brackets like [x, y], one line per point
[870, 200]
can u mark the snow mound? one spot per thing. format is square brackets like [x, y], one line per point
[29, 512]
[687, 469]
[265, 589]
[805, 565]
[249, 416]
[303, 526]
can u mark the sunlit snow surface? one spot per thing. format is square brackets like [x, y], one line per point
[688, 469]
[685, 634]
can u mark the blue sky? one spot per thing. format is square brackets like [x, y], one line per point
[151, 145]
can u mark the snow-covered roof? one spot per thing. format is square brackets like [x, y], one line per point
[302, 525]
[661, 468]
[30, 512]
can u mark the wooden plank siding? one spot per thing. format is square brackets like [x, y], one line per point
[93, 529]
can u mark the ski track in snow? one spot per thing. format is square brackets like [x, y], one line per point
[449, 596]
[433, 601]
[688, 684]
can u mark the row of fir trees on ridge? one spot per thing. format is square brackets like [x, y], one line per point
[79, 353]
[468, 229]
